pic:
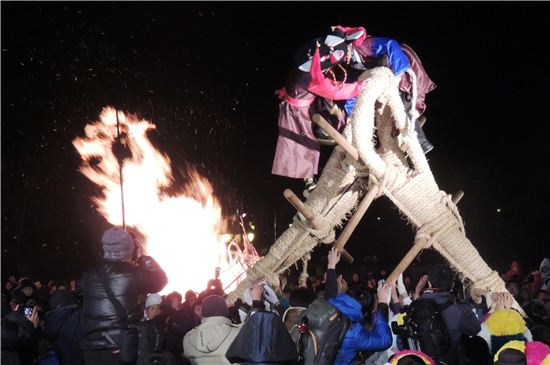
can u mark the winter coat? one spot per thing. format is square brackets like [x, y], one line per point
[179, 323]
[62, 327]
[208, 343]
[459, 320]
[357, 338]
[127, 281]
[19, 340]
[152, 342]
[263, 339]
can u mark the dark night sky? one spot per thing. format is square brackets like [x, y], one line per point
[205, 73]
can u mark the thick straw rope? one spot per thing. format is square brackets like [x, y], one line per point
[412, 188]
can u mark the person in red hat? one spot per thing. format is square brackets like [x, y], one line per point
[311, 87]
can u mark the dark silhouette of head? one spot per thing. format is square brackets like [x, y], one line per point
[441, 277]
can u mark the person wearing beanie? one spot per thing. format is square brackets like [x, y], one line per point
[118, 245]
[410, 357]
[537, 353]
[511, 353]
[114, 287]
[152, 334]
[523, 353]
[503, 326]
[208, 343]
[152, 306]
[24, 291]
[307, 91]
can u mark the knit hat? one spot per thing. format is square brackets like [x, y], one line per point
[26, 283]
[62, 298]
[117, 244]
[152, 299]
[537, 353]
[511, 353]
[505, 325]
[214, 305]
[410, 357]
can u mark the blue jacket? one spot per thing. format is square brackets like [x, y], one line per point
[358, 338]
[399, 62]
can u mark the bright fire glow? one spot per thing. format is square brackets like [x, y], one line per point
[183, 232]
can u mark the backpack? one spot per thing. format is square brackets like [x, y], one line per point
[318, 332]
[428, 329]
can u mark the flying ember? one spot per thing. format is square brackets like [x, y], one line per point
[183, 231]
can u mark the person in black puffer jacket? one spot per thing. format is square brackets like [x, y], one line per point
[19, 336]
[127, 280]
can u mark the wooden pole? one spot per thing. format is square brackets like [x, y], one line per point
[421, 121]
[356, 218]
[334, 134]
[308, 214]
[416, 248]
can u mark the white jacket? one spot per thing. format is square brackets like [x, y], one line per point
[208, 343]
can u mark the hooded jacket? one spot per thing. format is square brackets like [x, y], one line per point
[62, 327]
[357, 338]
[263, 339]
[208, 343]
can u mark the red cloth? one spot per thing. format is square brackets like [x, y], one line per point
[283, 95]
[323, 86]
[351, 30]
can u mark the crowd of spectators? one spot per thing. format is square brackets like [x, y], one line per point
[114, 314]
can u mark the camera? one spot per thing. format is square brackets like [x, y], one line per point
[407, 331]
[26, 309]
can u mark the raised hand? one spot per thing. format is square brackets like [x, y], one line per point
[401, 286]
[333, 258]
[384, 293]
[420, 286]
[256, 291]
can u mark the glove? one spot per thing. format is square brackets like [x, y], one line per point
[148, 263]
[270, 295]
[247, 298]
[401, 290]
[380, 283]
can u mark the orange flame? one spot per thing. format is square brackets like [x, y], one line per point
[183, 232]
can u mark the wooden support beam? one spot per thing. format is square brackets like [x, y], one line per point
[416, 248]
[421, 121]
[335, 135]
[308, 214]
[356, 218]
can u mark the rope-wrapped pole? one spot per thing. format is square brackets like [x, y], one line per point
[308, 214]
[416, 248]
